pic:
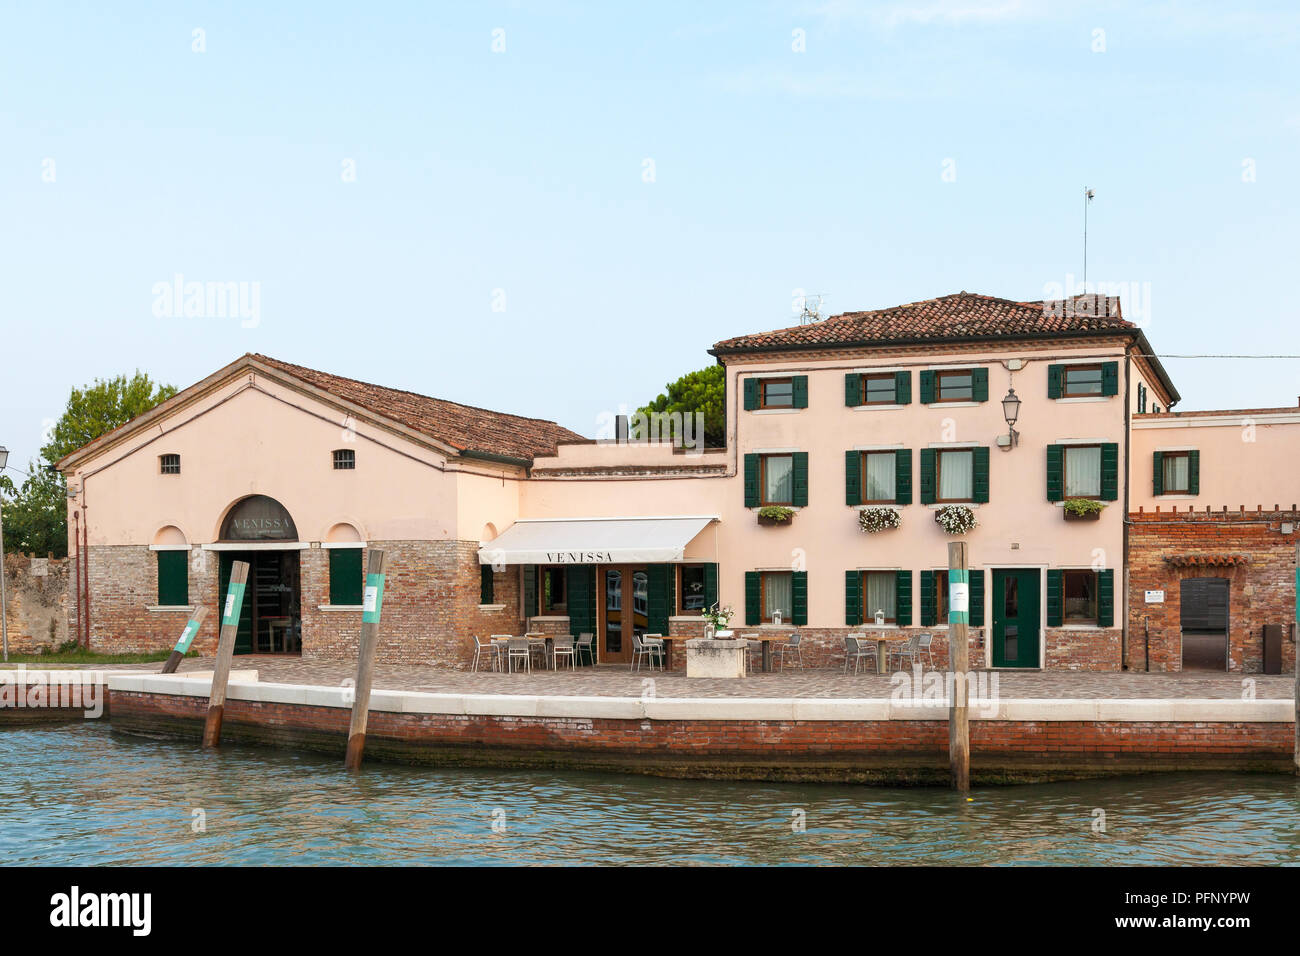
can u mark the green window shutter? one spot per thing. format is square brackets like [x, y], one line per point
[173, 578]
[903, 476]
[751, 481]
[800, 383]
[1055, 473]
[484, 584]
[1110, 378]
[977, 599]
[1142, 398]
[346, 579]
[753, 597]
[580, 584]
[1053, 598]
[927, 386]
[800, 489]
[1055, 380]
[1157, 473]
[927, 476]
[853, 477]
[929, 610]
[980, 384]
[658, 597]
[751, 394]
[852, 389]
[903, 388]
[981, 463]
[903, 598]
[530, 590]
[852, 598]
[1110, 472]
[1106, 598]
[710, 585]
[1194, 472]
[799, 598]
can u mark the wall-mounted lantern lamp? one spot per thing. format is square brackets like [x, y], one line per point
[1011, 412]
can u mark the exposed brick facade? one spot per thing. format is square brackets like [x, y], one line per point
[1166, 548]
[34, 603]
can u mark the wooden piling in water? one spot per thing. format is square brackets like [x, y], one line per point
[225, 652]
[372, 604]
[187, 637]
[959, 661]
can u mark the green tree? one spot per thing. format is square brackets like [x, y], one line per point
[700, 391]
[36, 519]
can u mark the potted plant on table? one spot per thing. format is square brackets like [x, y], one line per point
[717, 619]
[1082, 509]
[956, 519]
[775, 514]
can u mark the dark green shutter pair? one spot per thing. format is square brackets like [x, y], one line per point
[853, 389]
[1193, 472]
[346, 577]
[979, 385]
[1109, 472]
[929, 474]
[1109, 382]
[930, 598]
[798, 598]
[799, 496]
[853, 598]
[1105, 598]
[799, 388]
[660, 597]
[580, 586]
[173, 578]
[854, 479]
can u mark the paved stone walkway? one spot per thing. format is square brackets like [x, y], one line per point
[616, 681]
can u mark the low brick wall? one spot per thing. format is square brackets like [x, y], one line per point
[35, 591]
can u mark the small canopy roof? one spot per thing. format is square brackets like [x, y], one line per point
[594, 540]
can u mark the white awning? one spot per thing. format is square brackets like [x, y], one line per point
[594, 540]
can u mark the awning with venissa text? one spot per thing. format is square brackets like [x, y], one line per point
[593, 540]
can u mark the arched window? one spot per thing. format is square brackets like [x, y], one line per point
[258, 518]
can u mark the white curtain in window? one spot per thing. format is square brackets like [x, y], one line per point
[880, 477]
[880, 592]
[779, 474]
[1175, 468]
[778, 596]
[956, 475]
[1082, 472]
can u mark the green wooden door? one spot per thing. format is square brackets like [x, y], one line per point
[1016, 615]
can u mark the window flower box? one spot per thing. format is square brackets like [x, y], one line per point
[871, 520]
[956, 519]
[1082, 509]
[775, 515]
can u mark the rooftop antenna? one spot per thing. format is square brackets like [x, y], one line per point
[1088, 194]
[811, 313]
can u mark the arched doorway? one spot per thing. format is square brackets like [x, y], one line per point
[259, 530]
[1203, 619]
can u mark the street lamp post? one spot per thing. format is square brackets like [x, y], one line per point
[4, 608]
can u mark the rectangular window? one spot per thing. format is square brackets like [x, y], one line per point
[777, 595]
[345, 459]
[776, 393]
[554, 600]
[1080, 595]
[955, 386]
[879, 389]
[878, 469]
[1081, 380]
[173, 578]
[776, 479]
[956, 477]
[346, 579]
[879, 593]
[691, 589]
[1176, 472]
[170, 464]
[485, 584]
[1082, 471]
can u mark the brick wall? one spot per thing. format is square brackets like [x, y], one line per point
[34, 603]
[124, 585]
[1168, 547]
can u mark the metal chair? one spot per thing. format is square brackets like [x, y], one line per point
[793, 644]
[493, 653]
[563, 647]
[857, 647]
[923, 647]
[909, 649]
[586, 644]
[752, 643]
[520, 651]
[537, 645]
[642, 650]
[656, 641]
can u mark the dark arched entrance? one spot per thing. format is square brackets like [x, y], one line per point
[259, 530]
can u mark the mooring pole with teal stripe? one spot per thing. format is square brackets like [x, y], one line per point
[187, 638]
[959, 664]
[225, 652]
[372, 604]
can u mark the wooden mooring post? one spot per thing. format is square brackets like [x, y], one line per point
[959, 662]
[187, 638]
[372, 604]
[1296, 650]
[225, 651]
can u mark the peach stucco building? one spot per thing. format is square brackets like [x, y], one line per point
[494, 524]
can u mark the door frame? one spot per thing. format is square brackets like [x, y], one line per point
[628, 603]
[1040, 651]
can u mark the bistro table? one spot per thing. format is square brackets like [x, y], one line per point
[883, 638]
[768, 637]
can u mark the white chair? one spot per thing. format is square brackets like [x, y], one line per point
[562, 646]
[520, 651]
[643, 651]
[493, 653]
[586, 645]
[656, 641]
[794, 644]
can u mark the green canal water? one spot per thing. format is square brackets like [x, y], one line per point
[77, 794]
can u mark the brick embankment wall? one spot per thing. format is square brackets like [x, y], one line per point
[863, 751]
[35, 591]
[1247, 548]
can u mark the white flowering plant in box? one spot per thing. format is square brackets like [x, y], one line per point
[871, 520]
[956, 519]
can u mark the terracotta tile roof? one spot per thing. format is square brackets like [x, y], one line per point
[1211, 560]
[464, 427]
[963, 315]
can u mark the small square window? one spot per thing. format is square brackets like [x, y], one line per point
[345, 459]
[776, 393]
[879, 390]
[955, 386]
[879, 591]
[170, 464]
[1081, 380]
[691, 590]
[1080, 596]
[1176, 472]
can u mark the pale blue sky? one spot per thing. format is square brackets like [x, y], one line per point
[523, 171]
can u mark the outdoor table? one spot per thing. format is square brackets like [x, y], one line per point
[883, 640]
[767, 639]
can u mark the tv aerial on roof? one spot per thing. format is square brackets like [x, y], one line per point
[812, 305]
